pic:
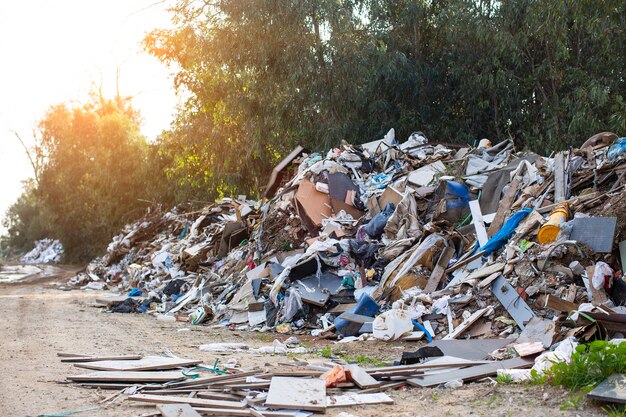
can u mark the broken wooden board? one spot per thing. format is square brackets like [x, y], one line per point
[100, 358]
[297, 393]
[149, 363]
[439, 270]
[177, 410]
[242, 413]
[466, 324]
[612, 389]
[505, 204]
[470, 374]
[558, 304]
[209, 380]
[200, 402]
[120, 376]
[512, 302]
[560, 186]
[353, 398]
[485, 272]
[479, 225]
[360, 377]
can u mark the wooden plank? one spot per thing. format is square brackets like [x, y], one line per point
[116, 376]
[465, 261]
[145, 364]
[200, 402]
[479, 225]
[558, 304]
[341, 308]
[505, 204]
[100, 358]
[439, 270]
[466, 324]
[240, 413]
[352, 398]
[297, 393]
[209, 380]
[470, 374]
[559, 178]
[361, 378]
[177, 410]
[216, 396]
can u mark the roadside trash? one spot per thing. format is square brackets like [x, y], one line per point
[45, 251]
[395, 240]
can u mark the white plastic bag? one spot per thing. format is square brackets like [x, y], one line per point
[601, 271]
[392, 324]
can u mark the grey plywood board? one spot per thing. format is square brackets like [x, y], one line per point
[119, 376]
[101, 358]
[317, 291]
[470, 374]
[512, 302]
[596, 232]
[177, 410]
[199, 402]
[612, 389]
[361, 378]
[472, 349]
[297, 393]
[145, 364]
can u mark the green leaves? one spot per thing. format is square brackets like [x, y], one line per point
[590, 365]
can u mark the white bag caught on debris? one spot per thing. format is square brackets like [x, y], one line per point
[392, 324]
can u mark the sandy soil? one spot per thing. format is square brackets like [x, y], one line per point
[37, 321]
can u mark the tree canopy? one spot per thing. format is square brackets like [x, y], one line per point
[263, 75]
[94, 175]
[260, 76]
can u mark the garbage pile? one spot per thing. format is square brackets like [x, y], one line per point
[45, 251]
[395, 240]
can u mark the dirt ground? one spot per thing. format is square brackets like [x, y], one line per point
[37, 320]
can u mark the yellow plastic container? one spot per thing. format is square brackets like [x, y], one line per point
[549, 231]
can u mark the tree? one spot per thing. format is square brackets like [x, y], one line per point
[94, 177]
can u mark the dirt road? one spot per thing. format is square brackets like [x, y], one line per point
[37, 321]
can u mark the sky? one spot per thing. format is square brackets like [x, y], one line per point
[55, 52]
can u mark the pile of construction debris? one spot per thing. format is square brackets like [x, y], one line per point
[45, 251]
[394, 240]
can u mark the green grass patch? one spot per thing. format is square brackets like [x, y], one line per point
[590, 365]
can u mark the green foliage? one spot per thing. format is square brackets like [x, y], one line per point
[95, 178]
[504, 379]
[326, 352]
[575, 402]
[590, 365]
[615, 410]
[261, 76]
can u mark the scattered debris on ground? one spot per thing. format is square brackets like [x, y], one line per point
[515, 256]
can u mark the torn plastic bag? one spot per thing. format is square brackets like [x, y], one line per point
[376, 226]
[504, 234]
[364, 252]
[616, 150]
[292, 305]
[392, 325]
[602, 275]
